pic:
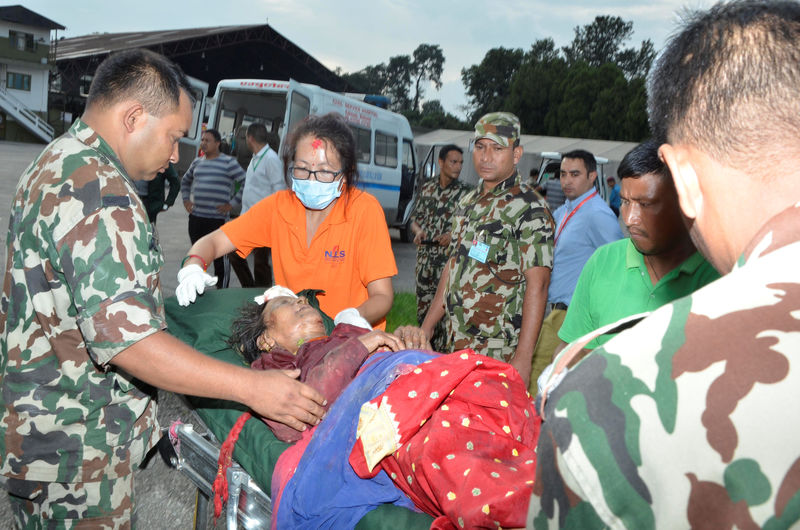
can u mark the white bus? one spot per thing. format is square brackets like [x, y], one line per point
[384, 141]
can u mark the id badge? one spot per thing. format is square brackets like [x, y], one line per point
[479, 251]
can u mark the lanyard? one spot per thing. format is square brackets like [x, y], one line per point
[259, 159]
[561, 229]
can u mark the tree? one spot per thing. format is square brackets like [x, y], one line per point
[599, 42]
[637, 63]
[488, 84]
[369, 80]
[398, 82]
[428, 65]
[533, 91]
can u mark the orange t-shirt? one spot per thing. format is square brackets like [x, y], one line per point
[350, 249]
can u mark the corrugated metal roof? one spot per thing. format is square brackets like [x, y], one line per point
[24, 16]
[103, 43]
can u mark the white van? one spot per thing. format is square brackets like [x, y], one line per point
[384, 142]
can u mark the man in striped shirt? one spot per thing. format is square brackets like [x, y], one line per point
[211, 188]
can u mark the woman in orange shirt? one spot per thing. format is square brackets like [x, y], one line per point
[324, 232]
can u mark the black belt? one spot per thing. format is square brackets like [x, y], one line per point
[560, 305]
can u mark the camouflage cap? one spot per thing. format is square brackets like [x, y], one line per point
[501, 127]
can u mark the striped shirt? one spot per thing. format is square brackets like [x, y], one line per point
[213, 183]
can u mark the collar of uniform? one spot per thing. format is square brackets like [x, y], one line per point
[513, 180]
[89, 137]
[781, 230]
[570, 204]
[635, 260]
[261, 152]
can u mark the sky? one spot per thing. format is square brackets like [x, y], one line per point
[352, 34]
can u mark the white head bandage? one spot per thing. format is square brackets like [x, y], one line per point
[274, 292]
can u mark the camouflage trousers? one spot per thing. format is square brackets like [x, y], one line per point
[107, 504]
[428, 271]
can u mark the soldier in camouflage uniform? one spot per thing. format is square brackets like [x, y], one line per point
[685, 420]
[494, 287]
[431, 223]
[82, 324]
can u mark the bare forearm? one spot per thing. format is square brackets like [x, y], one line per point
[165, 362]
[380, 295]
[210, 247]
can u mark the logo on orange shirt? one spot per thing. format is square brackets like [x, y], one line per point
[335, 255]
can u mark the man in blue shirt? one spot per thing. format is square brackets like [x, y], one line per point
[583, 223]
[614, 199]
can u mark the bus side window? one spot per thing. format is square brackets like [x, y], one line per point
[363, 144]
[385, 150]
[300, 108]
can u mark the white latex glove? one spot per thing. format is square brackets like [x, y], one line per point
[274, 292]
[192, 280]
[353, 317]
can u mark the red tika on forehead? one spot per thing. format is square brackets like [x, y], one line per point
[316, 144]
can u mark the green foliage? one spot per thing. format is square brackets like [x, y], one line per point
[395, 78]
[487, 83]
[593, 88]
[403, 311]
[433, 116]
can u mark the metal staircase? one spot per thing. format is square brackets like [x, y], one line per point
[29, 119]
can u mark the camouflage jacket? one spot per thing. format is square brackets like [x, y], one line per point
[81, 285]
[434, 214]
[685, 420]
[483, 300]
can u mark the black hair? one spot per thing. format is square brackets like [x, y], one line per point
[215, 133]
[444, 151]
[728, 82]
[331, 128]
[258, 132]
[534, 172]
[588, 159]
[141, 75]
[642, 160]
[246, 330]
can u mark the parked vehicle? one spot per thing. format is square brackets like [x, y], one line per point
[551, 166]
[384, 142]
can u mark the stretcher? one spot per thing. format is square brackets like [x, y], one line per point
[205, 325]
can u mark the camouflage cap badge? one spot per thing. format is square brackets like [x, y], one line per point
[501, 127]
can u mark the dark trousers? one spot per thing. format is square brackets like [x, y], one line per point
[200, 226]
[262, 272]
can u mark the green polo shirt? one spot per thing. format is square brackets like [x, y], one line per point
[615, 283]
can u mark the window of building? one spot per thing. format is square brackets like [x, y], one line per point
[385, 149]
[363, 143]
[18, 81]
[24, 42]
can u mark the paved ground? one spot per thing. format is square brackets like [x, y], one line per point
[165, 498]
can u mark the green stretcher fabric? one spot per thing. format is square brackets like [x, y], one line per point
[206, 325]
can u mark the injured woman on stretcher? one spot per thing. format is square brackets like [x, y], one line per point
[450, 435]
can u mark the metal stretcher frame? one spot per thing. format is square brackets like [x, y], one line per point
[206, 325]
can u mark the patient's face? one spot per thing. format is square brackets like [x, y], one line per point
[291, 321]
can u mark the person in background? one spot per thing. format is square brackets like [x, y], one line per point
[688, 419]
[553, 193]
[431, 223]
[211, 189]
[83, 338]
[264, 177]
[614, 198]
[658, 263]
[583, 223]
[325, 233]
[493, 291]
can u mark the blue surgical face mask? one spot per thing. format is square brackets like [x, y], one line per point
[316, 195]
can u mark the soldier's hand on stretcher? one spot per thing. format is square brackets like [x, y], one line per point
[285, 399]
[413, 338]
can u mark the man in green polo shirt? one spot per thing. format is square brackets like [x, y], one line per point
[658, 263]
